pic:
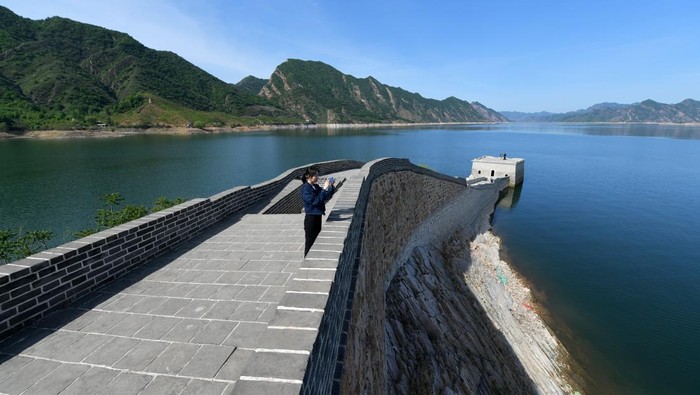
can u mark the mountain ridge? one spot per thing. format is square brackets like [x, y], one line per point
[320, 93]
[56, 73]
[646, 111]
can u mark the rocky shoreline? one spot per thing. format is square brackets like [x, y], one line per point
[510, 305]
[178, 130]
[461, 308]
[122, 132]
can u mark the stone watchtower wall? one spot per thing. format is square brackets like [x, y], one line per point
[399, 206]
[32, 287]
[395, 199]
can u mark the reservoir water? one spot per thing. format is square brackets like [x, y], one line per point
[606, 228]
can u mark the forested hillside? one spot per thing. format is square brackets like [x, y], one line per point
[320, 93]
[61, 74]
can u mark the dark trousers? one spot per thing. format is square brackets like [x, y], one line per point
[312, 227]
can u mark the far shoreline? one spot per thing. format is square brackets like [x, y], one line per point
[179, 130]
[187, 131]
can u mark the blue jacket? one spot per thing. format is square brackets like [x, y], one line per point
[315, 198]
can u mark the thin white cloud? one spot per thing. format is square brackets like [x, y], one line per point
[160, 25]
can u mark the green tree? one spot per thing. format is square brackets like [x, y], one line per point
[16, 245]
[162, 203]
[110, 215]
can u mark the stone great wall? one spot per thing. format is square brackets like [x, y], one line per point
[214, 296]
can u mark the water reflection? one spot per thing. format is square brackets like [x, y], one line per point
[511, 198]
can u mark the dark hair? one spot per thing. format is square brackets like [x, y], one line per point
[310, 172]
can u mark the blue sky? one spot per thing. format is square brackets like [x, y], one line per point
[529, 56]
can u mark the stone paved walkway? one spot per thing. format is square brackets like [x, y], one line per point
[211, 317]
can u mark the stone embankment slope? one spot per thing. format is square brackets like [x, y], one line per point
[431, 314]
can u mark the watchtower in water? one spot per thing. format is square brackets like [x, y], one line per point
[496, 167]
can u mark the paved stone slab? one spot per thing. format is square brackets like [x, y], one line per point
[10, 365]
[91, 381]
[85, 319]
[272, 294]
[173, 358]
[305, 285]
[304, 300]
[301, 319]
[53, 344]
[288, 339]
[276, 365]
[215, 332]
[269, 313]
[226, 292]
[170, 307]
[195, 308]
[129, 325]
[105, 323]
[320, 263]
[252, 277]
[141, 355]
[185, 330]
[315, 275]
[58, 380]
[157, 289]
[180, 290]
[146, 304]
[318, 253]
[157, 328]
[125, 303]
[204, 291]
[22, 340]
[221, 310]
[276, 279]
[265, 388]
[82, 348]
[248, 311]
[231, 277]
[60, 318]
[207, 361]
[202, 387]
[112, 351]
[208, 277]
[26, 376]
[165, 385]
[233, 367]
[246, 335]
[251, 293]
[127, 383]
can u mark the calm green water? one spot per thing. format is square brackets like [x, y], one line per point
[606, 228]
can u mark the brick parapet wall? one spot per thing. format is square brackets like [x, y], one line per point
[326, 364]
[32, 287]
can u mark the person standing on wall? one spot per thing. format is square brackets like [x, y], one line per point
[314, 198]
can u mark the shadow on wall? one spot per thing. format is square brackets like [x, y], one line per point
[438, 335]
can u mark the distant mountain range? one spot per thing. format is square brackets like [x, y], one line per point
[58, 73]
[687, 111]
